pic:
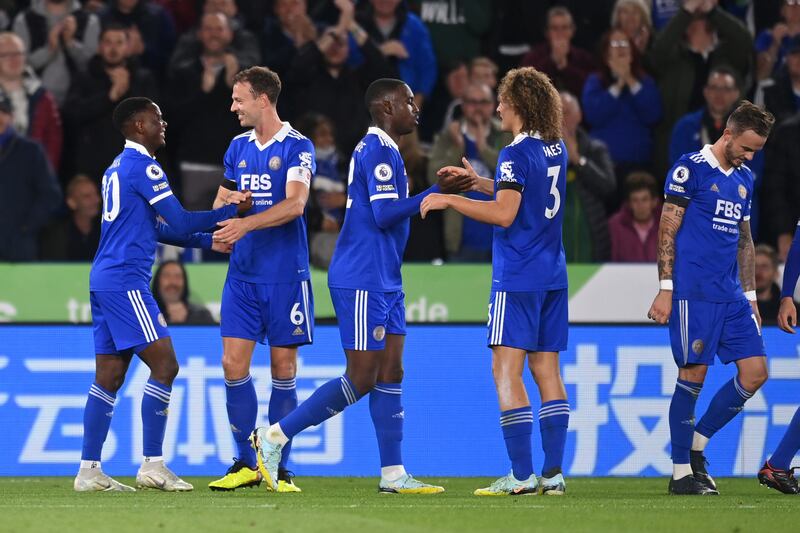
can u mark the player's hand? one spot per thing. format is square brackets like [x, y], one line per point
[787, 315]
[235, 197]
[69, 29]
[244, 205]
[661, 308]
[232, 230]
[455, 179]
[221, 247]
[433, 202]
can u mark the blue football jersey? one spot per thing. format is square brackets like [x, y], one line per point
[529, 254]
[131, 186]
[278, 254]
[368, 257]
[706, 245]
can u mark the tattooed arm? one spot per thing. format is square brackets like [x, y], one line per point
[671, 219]
[746, 257]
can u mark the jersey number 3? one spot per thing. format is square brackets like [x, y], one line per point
[110, 197]
[552, 173]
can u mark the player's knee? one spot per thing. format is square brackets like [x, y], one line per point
[363, 382]
[393, 374]
[166, 372]
[285, 369]
[235, 367]
[111, 382]
[754, 379]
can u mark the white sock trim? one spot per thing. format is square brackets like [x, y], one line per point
[154, 459]
[90, 465]
[699, 442]
[275, 435]
[393, 473]
[680, 471]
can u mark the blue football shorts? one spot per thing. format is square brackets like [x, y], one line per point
[366, 317]
[535, 321]
[278, 314]
[124, 320]
[699, 330]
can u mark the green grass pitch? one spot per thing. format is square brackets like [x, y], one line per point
[353, 505]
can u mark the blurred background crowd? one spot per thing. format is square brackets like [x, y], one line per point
[642, 82]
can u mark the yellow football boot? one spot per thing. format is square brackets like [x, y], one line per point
[238, 476]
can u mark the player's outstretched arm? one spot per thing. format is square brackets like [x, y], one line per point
[787, 314]
[185, 222]
[166, 235]
[499, 212]
[746, 257]
[671, 220]
[277, 215]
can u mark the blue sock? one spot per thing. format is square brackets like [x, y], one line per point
[681, 419]
[96, 421]
[386, 408]
[327, 401]
[725, 405]
[553, 423]
[282, 401]
[242, 404]
[517, 426]
[788, 446]
[155, 405]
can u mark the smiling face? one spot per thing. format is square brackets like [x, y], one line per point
[152, 127]
[171, 283]
[246, 104]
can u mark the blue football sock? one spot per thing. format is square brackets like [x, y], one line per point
[96, 421]
[327, 401]
[725, 405]
[517, 426]
[282, 401]
[155, 408]
[386, 408]
[242, 404]
[681, 419]
[553, 423]
[789, 445]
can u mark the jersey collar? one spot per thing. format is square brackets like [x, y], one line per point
[712, 160]
[278, 137]
[383, 135]
[521, 135]
[138, 147]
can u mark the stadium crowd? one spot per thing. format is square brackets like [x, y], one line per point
[642, 82]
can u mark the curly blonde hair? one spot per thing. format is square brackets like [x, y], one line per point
[533, 97]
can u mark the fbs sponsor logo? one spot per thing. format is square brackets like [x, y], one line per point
[298, 331]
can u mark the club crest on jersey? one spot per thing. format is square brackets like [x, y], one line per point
[697, 346]
[162, 320]
[383, 172]
[742, 192]
[242, 164]
[305, 160]
[680, 174]
[507, 171]
[154, 172]
[274, 162]
[379, 333]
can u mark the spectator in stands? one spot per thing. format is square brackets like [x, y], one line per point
[171, 292]
[244, 44]
[110, 78]
[705, 126]
[699, 37]
[633, 18]
[36, 113]
[285, 33]
[28, 187]
[590, 184]
[768, 294]
[783, 97]
[205, 84]
[152, 32]
[328, 198]
[456, 27]
[483, 70]
[567, 65]
[60, 38]
[772, 45]
[634, 228]
[478, 138]
[425, 236]
[320, 79]
[76, 236]
[621, 103]
[780, 195]
[404, 40]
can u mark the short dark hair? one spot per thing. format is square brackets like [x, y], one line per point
[639, 180]
[262, 81]
[380, 89]
[748, 116]
[769, 251]
[127, 109]
[114, 26]
[725, 70]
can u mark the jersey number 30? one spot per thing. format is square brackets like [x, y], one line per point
[110, 197]
[552, 173]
